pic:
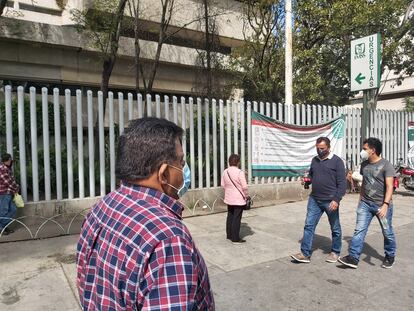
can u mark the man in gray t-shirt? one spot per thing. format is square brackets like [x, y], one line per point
[373, 183]
[376, 200]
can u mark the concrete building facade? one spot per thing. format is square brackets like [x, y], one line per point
[39, 43]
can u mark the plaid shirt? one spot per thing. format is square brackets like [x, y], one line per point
[135, 253]
[7, 183]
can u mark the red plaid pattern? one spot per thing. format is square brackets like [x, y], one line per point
[135, 253]
[8, 184]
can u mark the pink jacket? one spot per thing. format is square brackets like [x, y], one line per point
[232, 196]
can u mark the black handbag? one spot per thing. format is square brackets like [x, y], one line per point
[249, 201]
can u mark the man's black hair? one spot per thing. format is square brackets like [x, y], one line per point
[6, 157]
[374, 143]
[144, 146]
[324, 139]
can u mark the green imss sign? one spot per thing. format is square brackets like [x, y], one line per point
[365, 63]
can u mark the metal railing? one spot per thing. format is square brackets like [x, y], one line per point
[71, 152]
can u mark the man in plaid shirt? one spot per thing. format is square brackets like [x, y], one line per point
[134, 251]
[8, 188]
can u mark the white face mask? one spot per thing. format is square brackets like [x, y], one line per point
[364, 155]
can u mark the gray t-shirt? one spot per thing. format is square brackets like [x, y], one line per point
[373, 182]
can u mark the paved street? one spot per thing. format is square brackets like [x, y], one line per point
[259, 275]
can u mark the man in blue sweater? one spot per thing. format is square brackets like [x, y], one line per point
[327, 173]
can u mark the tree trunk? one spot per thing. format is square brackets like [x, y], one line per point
[165, 20]
[109, 63]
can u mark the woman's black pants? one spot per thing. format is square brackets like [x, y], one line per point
[234, 215]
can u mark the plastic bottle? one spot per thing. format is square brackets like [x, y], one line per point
[306, 180]
[384, 223]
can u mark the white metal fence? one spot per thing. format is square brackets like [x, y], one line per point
[71, 152]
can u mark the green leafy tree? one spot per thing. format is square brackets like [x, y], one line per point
[102, 22]
[259, 63]
[323, 31]
[409, 104]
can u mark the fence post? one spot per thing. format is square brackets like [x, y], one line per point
[120, 112]
[207, 141]
[111, 140]
[91, 146]
[192, 155]
[102, 141]
[33, 133]
[166, 107]
[236, 127]
[69, 156]
[9, 121]
[184, 125]
[46, 153]
[130, 107]
[200, 143]
[214, 121]
[157, 106]
[22, 142]
[139, 106]
[228, 127]
[79, 125]
[58, 144]
[242, 135]
[221, 120]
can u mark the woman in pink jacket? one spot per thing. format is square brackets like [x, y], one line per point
[233, 181]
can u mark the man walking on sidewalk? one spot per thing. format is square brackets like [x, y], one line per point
[375, 200]
[327, 173]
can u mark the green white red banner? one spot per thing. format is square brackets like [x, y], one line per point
[286, 150]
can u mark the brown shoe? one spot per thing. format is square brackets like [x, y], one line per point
[300, 258]
[332, 257]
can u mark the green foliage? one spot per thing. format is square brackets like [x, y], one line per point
[51, 151]
[409, 104]
[97, 22]
[323, 31]
[261, 59]
[15, 123]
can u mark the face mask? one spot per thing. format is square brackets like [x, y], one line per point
[322, 153]
[186, 180]
[364, 155]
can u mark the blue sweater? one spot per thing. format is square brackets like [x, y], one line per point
[328, 179]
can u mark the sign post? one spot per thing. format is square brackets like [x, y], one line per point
[366, 74]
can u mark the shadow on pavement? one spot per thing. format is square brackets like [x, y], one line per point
[322, 242]
[245, 230]
[367, 250]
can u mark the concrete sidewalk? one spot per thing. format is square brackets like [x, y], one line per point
[258, 275]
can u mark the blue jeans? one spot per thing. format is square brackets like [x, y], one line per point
[366, 211]
[7, 209]
[315, 210]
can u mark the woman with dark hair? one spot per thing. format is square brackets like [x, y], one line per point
[233, 181]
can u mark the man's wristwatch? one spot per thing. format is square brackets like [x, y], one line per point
[386, 203]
